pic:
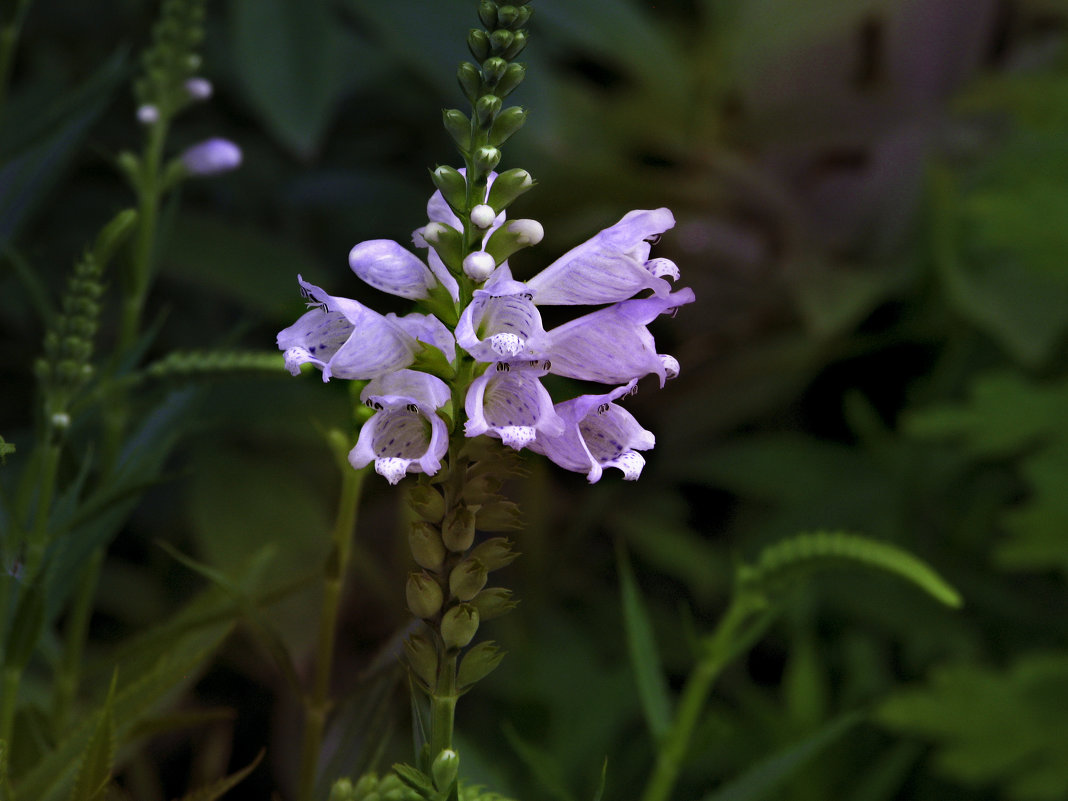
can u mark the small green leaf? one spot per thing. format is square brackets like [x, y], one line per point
[644, 655]
[94, 774]
[541, 766]
[598, 794]
[26, 627]
[757, 783]
[217, 789]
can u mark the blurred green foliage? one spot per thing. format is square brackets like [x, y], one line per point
[870, 197]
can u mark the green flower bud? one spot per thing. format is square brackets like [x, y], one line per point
[479, 44]
[478, 663]
[446, 765]
[507, 123]
[499, 515]
[486, 158]
[458, 626]
[458, 530]
[500, 41]
[493, 69]
[427, 548]
[494, 602]
[447, 241]
[487, 108]
[525, 13]
[422, 659]
[494, 553]
[470, 80]
[344, 791]
[423, 594]
[458, 126]
[113, 235]
[487, 12]
[507, 17]
[452, 185]
[426, 502]
[512, 236]
[519, 42]
[509, 185]
[467, 579]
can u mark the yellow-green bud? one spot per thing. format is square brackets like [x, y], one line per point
[494, 553]
[512, 236]
[470, 80]
[113, 235]
[493, 602]
[479, 45]
[452, 185]
[486, 158]
[487, 12]
[487, 108]
[458, 126]
[507, 16]
[458, 530]
[507, 123]
[467, 579]
[509, 185]
[427, 548]
[458, 626]
[423, 594]
[478, 663]
[344, 791]
[499, 516]
[493, 69]
[447, 241]
[519, 41]
[444, 769]
[427, 503]
[501, 41]
[422, 659]
[513, 76]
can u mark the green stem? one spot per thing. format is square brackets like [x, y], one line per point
[720, 648]
[443, 708]
[46, 487]
[69, 674]
[9, 39]
[317, 706]
[9, 690]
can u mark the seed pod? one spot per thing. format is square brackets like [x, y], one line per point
[467, 579]
[458, 530]
[427, 548]
[493, 602]
[494, 553]
[427, 503]
[423, 594]
[458, 626]
[478, 663]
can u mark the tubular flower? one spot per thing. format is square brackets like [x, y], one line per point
[405, 435]
[598, 434]
[509, 402]
[501, 322]
[345, 339]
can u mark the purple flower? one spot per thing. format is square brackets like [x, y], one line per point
[387, 266]
[405, 435]
[610, 267]
[345, 339]
[211, 157]
[509, 402]
[501, 322]
[597, 434]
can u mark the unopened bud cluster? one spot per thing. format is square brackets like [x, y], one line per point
[167, 82]
[449, 591]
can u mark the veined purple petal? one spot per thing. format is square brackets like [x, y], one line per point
[410, 386]
[608, 268]
[508, 401]
[372, 344]
[597, 434]
[429, 329]
[613, 345]
[385, 265]
[441, 272]
[403, 437]
[497, 327]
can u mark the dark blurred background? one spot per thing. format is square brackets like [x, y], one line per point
[871, 199]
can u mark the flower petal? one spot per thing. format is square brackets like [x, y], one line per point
[315, 337]
[402, 437]
[501, 326]
[608, 268]
[510, 403]
[408, 386]
[385, 265]
[429, 329]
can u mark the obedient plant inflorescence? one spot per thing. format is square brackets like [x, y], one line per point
[445, 381]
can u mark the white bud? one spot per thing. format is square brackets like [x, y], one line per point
[211, 157]
[147, 115]
[199, 88]
[479, 265]
[528, 232]
[482, 216]
[61, 420]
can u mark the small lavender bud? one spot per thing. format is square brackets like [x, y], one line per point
[458, 530]
[494, 602]
[486, 158]
[199, 88]
[424, 595]
[458, 626]
[478, 663]
[479, 265]
[507, 123]
[482, 216]
[426, 502]
[458, 126]
[487, 108]
[427, 547]
[495, 553]
[479, 44]
[147, 115]
[470, 80]
[513, 236]
[513, 76]
[452, 185]
[446, 765]
[467, 579]
[509, 185]
[211, 157]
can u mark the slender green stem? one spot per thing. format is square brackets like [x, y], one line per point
[317, 705]
[46, 487]
[720, 648]
[9, 40]
[443, 708]
[69, 674]
[9, 690]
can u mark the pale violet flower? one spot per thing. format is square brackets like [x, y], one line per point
[597, 434]
[405, 435]
[387, 266]
[199, 88]
[147, 114]
[612, 266]
[501, 322]
[211, 157]
[345, 339]
[509, 402]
